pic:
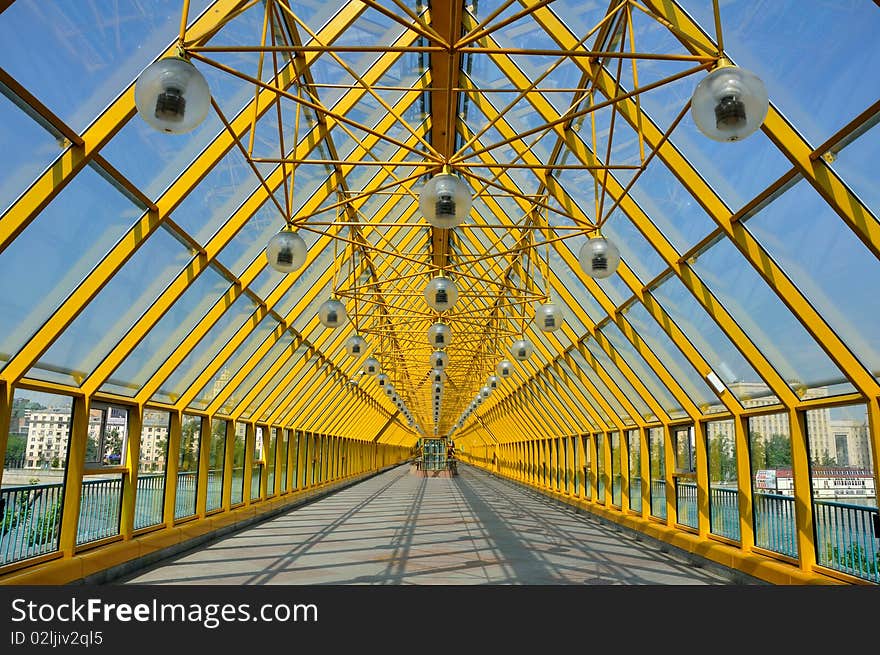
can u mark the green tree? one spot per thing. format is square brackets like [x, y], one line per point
[778, 453]
[16, 445]
[189, 445]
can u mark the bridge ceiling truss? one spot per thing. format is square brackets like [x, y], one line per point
[565, 121]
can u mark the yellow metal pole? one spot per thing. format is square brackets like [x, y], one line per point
[76, 455]
[803, 493]
[7, 396]
[172, 467]
[249, 437]
[228, 464]
[205, 437]
[130, 479]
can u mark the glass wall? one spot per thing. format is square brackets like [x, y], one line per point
[723, 494]
[216, 464]
[685, 475]
[600, 466]
[616, 478]
[101, 492]
[34, 471]
[634, 448]
[270, 461]
[586, 467]
[294, 459]
[150, 499]
[238, 463]
[658, 472]
[772, 483]
[842, 484]
[188, 466]
[283, 455]
[257, 472]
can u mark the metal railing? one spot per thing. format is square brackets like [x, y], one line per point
[149, 500]
[29, 521]
[686, 502]
[99, 507]
[658, 498]
[845, 538]
[775, 527]
[724, 512]
[185, 496]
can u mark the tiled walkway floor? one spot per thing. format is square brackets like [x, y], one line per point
[397, 528]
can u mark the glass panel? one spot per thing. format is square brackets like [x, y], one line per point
[232, 365]
[723, 491]
[600, 466]
[844, 496]
[658, 472]
[616, 477]
[205, 350]
[589, 455]
[823, 257]
[669, 354]
[150, 498]
[715, 347]
[68, 239]
[619, 379]
[188, 466]
[112, 313]
[603, 390]
[101, 493]
[238, 463]
[820, 98]
[284, 454]
[270, 461]
[566, 465]
[770, 324]
[646, 374]
[671, 207]
[28, 150]
[34, 471]
[216, 197]
[294, 459]
[257, 473]
[685, 475]
[76, 59]
[634, 447]
[772, 483]
[854, 165]
[152, 351]
[216, 464]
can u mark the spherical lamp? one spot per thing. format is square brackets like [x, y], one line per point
[445, 201]
[441, 294]
[439, 359]
[521, 349]
[172, 96]
[504, 368]
[439, 335]
[492, 382]
[355, 345]
[548, 317]
[382, 380]
[286, 251]
[371, 367]
[485, 391]
[331, 313]
[730, 103]
[599, 257]
[438, 375]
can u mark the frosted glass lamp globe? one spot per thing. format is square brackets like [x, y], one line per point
[172, 96]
